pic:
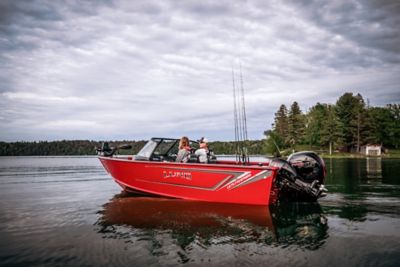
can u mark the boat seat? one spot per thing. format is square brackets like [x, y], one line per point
[212, 159]
[193, 158]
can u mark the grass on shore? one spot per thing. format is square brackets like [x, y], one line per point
[390, 153]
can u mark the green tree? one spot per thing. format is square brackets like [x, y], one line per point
[360, 122]
[314, 124]
[394, 125]
[273, 143]
[296, 125]
[329, 134]
[280, 125]
[378, 125]
[350, 111]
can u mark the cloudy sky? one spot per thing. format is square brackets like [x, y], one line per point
[112, 70]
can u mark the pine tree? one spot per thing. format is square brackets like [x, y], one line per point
[280, 126]
[359, 122]
[329, 134]
[350, 111]
[378, 122]
[296, 125]
[394, 125]
[314, 122]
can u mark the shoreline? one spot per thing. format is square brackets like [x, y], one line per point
[324, 156]
[355, 156]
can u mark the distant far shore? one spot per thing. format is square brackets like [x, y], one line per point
[88, 148]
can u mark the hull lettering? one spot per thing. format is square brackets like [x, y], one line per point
[177, 174]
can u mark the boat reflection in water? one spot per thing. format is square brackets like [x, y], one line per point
[128, 217]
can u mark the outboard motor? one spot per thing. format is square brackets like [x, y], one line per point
[301, 177]
[308, 165]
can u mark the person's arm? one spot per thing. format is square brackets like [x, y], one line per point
[198, 152]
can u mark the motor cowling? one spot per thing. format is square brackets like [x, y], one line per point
[308, 165]
[300, 177]
[285, 169]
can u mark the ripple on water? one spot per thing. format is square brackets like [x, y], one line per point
[68, 211]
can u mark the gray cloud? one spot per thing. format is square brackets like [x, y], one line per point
[368, 24]
[131, 70]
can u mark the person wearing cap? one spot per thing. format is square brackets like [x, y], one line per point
[202, 152]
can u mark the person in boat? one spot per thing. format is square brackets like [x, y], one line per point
[184, 150]
[202, 152]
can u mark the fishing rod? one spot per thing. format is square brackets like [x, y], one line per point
[235, 115]
[239, 110]
[244, 117]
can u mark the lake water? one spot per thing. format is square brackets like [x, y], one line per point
[67, 211]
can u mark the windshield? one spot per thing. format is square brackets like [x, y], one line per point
[161, 149]
[146, 151]
[165, 146]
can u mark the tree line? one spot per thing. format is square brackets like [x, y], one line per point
[346, 125]
[64, 147]
[86, 147]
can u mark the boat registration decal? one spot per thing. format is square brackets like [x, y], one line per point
[177, 174]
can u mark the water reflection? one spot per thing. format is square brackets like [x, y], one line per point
[191, 223]
[374, 168]
[300, 223]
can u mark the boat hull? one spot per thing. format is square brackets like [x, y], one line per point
[224, 183]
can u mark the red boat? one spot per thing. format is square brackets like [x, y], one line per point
[154, 171]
